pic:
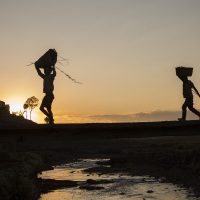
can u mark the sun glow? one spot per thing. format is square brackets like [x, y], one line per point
[16, 107]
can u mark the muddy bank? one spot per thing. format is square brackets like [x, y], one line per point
[23, 153]
[182, 168]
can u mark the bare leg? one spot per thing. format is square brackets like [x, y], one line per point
[192, 109]
[50, 115]
[184, 111]
[44, 111]
[46, 107]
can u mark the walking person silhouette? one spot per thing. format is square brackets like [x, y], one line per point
[48, 87]
[187, 94]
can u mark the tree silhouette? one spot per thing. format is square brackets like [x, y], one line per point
[31, 103]
[25, 106]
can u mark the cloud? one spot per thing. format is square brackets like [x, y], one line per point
[158, 115]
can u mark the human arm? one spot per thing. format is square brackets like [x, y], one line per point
[39, 72]
[197, 92]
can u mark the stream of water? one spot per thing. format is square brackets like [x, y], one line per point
[118, 186]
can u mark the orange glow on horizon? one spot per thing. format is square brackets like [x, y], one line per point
[16, 106]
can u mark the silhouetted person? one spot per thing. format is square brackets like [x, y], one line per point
[187, 94]
[48, 88]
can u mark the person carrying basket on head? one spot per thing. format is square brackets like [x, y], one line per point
[188, 87]
[48, 87]
[47, 62]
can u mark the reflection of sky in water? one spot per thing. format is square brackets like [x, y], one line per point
[124, 186]
[72, 171]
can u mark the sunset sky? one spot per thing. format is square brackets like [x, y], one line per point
[124, 51]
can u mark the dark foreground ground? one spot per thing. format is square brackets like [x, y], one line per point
[160, 149]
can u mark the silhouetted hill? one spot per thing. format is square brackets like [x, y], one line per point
[10, 120]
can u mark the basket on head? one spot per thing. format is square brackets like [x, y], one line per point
[47, 60]
[184, 71]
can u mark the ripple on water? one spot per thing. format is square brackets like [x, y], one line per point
[121, 186]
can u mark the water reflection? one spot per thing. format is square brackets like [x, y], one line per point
[73, 171]
[123, 186]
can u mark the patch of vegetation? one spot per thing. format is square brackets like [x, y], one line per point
[19, 182]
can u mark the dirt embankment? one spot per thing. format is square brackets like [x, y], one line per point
[172, 152]
[175, 166]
